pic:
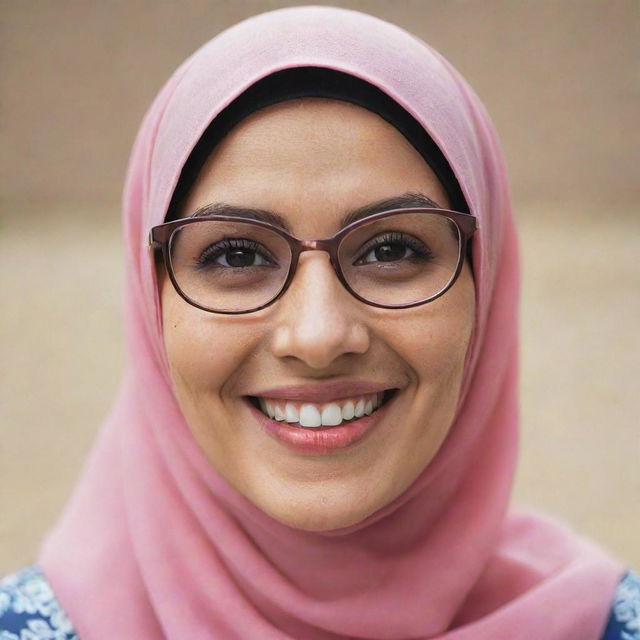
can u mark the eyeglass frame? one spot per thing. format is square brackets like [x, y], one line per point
[161, 235]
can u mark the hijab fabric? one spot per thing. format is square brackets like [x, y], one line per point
[314, 82]
[155, 544]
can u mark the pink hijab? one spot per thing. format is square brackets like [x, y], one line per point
[154, 544]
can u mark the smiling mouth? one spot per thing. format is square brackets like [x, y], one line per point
[311, 415]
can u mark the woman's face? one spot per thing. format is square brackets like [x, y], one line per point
[311, 162]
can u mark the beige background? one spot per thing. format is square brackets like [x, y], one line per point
[561, 82]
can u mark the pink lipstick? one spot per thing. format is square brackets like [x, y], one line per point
[320, 419]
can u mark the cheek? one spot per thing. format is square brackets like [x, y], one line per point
[435, 346]
[436, 338]
[203, 350]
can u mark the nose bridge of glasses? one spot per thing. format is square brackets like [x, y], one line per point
[325, 245]
[309, 245]
[315, 245]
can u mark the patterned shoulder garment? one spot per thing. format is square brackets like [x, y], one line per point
[624, 622]
[29, 609]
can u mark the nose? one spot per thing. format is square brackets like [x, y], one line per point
[318, 320]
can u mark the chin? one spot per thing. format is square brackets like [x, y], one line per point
[320, 510]
[321, 520]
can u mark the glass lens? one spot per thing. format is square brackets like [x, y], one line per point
[229, 266]
[402, 258]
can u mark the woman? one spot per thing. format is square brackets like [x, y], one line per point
[316, 435]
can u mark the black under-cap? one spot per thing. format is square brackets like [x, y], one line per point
[315, 82]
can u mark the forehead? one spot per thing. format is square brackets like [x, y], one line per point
[315, 155]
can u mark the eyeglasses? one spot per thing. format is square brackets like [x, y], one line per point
[393, 259]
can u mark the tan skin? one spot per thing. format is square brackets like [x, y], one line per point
[311, 161]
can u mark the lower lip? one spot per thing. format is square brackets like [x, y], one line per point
[320, 440]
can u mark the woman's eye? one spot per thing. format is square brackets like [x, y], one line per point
[240, 258]
[393, 248]
[388, 252]
[235, 254]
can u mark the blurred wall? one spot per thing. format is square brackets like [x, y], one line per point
[560, 80]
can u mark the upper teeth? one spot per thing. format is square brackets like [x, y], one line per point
[311, 415]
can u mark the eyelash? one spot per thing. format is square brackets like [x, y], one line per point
[209, 255]
[395, 237]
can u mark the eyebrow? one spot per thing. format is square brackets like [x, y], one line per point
[407, 200]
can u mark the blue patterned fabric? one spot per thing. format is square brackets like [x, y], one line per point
[624, 623]
[30, 611]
